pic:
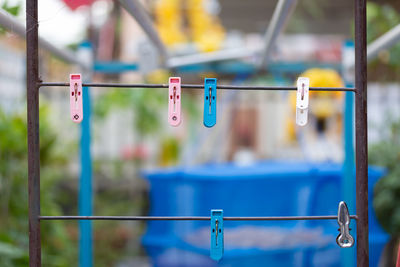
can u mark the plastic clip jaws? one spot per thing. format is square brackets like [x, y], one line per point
[210, 102]
[174, 106]
[303, 88]
[344, 239]
[75, 96]
[217, 234]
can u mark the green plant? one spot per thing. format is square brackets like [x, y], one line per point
[57, 245]
[386, 153]
[144, 102]
[380, 19]
[11, 9]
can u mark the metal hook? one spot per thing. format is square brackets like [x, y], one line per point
[344, 239]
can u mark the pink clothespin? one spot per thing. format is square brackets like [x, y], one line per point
[174, 106]
[75, 96]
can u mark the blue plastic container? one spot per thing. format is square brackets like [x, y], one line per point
[273, 188]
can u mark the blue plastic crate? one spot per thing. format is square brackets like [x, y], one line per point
[273, 188]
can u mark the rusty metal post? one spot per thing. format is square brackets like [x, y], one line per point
[32, 95]
[361, 132]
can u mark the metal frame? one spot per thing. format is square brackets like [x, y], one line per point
[14, 25]
[385, 41]
[283, 10]
[34, 83]
[138, 12]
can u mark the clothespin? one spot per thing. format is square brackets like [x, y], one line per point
[210, 102]
[303, 86]
[75, 97]
[174, 106]
[217, 234]
[344, 239]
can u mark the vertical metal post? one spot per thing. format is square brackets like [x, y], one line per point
[348, 181]
[361, 132]
[85, 53]
[32, 95]
[85, 187]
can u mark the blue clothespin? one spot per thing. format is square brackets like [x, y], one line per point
[210, 102]
[217, 234]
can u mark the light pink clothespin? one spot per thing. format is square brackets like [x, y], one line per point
[75, 96]
[174, 107]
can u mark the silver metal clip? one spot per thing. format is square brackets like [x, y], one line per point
[344, 239]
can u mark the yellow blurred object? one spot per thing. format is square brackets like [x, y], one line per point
[169, 152]
[206, 30]
[324, 78]
[322, 104]
[169, 21]
[158, 76]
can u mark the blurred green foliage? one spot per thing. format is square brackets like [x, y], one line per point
[386, 153]
[14, 193]
[149, 106]
[380, 19]
[145, 104]
[58, 197]
[13, 9]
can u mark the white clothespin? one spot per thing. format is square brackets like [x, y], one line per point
[303, 88]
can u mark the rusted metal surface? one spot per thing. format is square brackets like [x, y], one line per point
[32, 94]
[361, 132]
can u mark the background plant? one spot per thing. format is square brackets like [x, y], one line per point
[14, 192]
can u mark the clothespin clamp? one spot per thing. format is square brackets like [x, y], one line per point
[217, 234]
[75, 96]
[303, 86]
[210, 102]
[344, 239]
[174, 106]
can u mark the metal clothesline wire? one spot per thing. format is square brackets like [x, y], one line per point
[191, 218]
[199, 86]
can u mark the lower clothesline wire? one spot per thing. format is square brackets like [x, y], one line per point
[190, 218]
